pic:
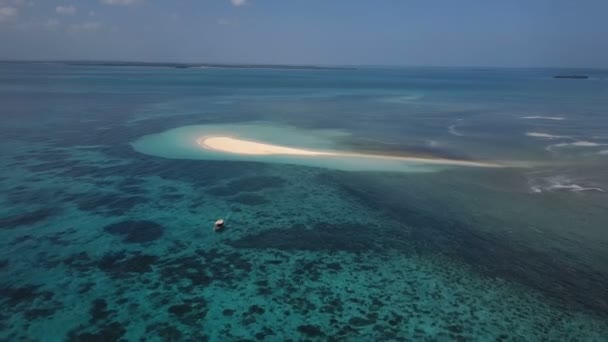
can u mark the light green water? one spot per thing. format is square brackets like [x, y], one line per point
[181, 143]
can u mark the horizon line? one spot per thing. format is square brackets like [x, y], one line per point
[299, 65]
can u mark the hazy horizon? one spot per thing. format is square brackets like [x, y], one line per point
[518, 34]
[219, 63]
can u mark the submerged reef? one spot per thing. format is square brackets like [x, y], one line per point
[100, 242]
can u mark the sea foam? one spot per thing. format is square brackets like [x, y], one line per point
[538, 117]
[545, 135]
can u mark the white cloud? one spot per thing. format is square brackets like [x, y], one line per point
[86, 26]
[238, 3]
[66, 10]
[51, 24]
[8, 13]
[14, 2]
[121, 2]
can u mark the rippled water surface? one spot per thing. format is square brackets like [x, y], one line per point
[102, 242]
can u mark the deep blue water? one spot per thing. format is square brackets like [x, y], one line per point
[101, 242]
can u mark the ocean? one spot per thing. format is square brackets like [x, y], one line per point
[107, 209]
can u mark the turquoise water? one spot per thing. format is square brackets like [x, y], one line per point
[185, 143]
[104, 241]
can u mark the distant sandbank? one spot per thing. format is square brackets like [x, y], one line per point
[232, 145]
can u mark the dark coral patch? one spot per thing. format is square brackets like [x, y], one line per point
[99, 311]
[334, 266]
[136, 231]
[109, 332]
[192, 271]
[255, 309]
[23, 238]
[257, 183]
[360, 321]
[25, 219]
[85, 287]
[190, 311]
[49, 155]
[188, 268]
[131, 182]
[25, 294]
[165, 331]
[109, 204]
[122, 265]
[326, 236]
[189, 170]
[27, 195]
[60, 238]
[250, 316]
[172, 197]
[80, 261]
[333, 306]
[250, 199]
[180, 309]
[262, 335]
[39, 313]
[311, 330]
[248, 184]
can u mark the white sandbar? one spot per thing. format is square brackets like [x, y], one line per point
[247, 147]
[231, 145]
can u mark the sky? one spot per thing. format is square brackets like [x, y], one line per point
[485, 33]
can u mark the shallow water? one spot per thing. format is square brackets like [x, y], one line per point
[188, 143]
[102, 241]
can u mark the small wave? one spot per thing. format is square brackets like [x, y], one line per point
[581, 143]
[573, 187]
[403, 98]
[381, 141]
[452, 129]
[560, 183]
[603, 152]
[545, 135]
[538, 117]
[433, 143]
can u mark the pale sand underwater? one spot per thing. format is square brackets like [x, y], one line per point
[287, 145]
[238, 146]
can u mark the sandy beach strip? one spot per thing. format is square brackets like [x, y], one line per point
[246, 147]
[237, 146]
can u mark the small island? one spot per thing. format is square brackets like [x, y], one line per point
[576, 77]
[201, 65]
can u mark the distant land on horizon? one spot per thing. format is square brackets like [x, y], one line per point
[564, 71]
[183, 65]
